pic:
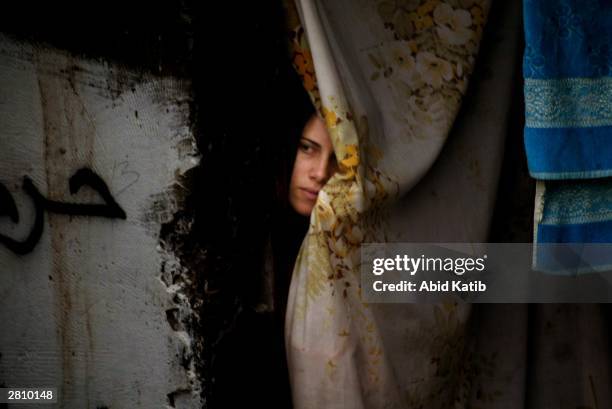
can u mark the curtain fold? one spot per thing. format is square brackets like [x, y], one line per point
[390, 78]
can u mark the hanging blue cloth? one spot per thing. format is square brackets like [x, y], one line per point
[568, 120]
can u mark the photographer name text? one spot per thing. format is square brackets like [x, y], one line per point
[430, 286]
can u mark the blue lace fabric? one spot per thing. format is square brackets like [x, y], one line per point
[567, 67]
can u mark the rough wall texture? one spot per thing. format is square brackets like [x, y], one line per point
[86, 302]
[127, 311]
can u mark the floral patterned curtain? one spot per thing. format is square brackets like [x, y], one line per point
[389, 78]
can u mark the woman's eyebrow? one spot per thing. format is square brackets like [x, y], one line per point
[311, 141]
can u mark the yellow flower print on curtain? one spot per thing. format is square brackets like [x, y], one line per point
[389, 79]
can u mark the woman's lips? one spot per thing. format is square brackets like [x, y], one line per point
[310, 194]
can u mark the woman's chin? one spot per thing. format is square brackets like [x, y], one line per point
[303, 209]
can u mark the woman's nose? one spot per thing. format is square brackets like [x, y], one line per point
[322, 170]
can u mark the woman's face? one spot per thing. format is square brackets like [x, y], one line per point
[314, 164]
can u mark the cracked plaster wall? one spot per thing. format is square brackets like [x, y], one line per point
[98, 307]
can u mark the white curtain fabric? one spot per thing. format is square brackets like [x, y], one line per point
[389, 77]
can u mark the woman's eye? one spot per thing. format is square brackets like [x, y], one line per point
[305, 147]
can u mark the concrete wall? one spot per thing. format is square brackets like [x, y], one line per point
[94, 303]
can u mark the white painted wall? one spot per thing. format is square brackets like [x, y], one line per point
[85, 310]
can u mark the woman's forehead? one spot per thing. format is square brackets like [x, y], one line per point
[316, 131]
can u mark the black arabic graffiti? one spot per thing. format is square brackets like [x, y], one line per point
[81, 178]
